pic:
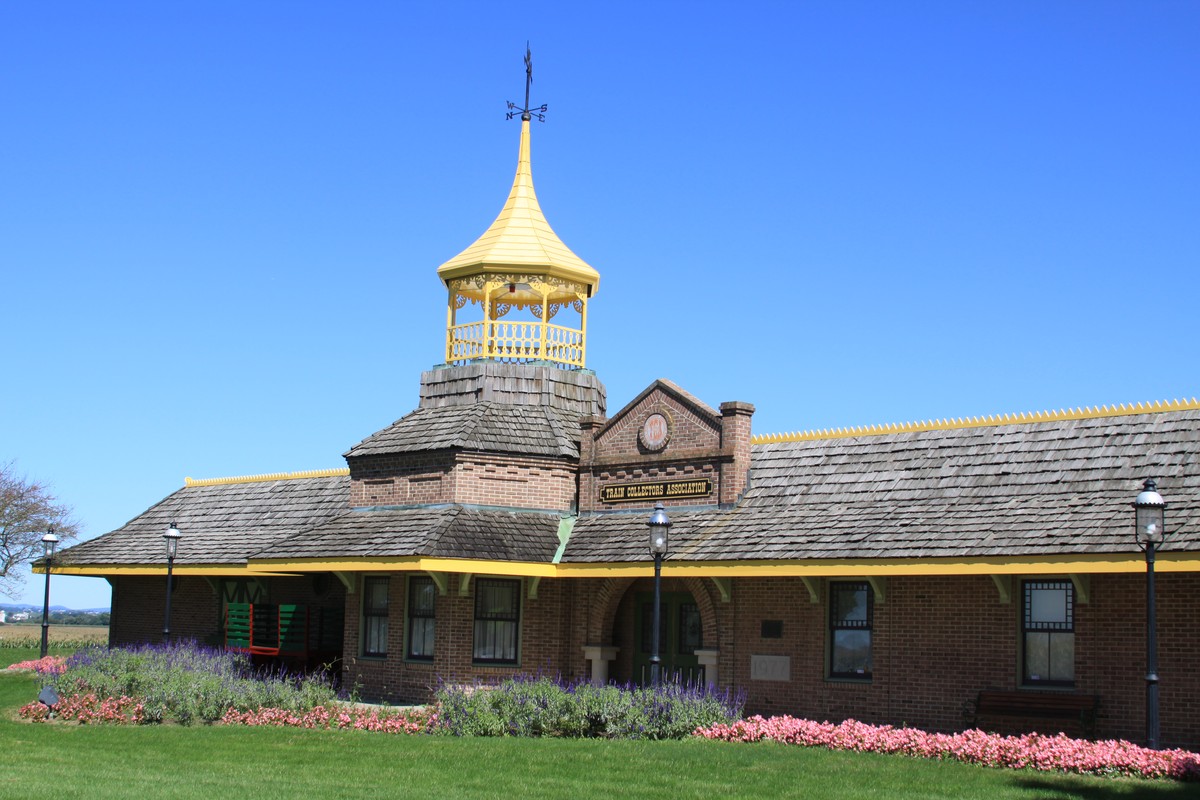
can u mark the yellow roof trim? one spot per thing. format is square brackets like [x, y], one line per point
[520, 238]
[124, 570]
[992, 420]
[335, 472]
[1106, 563]
[418, 563]
[834, 568]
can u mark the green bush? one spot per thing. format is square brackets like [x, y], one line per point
[542, 706]
[189, 683]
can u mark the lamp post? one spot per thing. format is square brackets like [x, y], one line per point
[172, 538]
[659, 524]
[1149, 509]
[49, 543]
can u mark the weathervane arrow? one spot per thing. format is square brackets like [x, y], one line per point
[527, 112]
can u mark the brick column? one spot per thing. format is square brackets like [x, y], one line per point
[735, 438]
[588, 428]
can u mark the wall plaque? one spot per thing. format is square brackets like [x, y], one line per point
[655, 431]
[659, 490]
[770, 668]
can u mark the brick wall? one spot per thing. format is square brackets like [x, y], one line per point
[196, 607]
[466, 477]
[544, 642]
[936, 642]
[404, 479]
[139, 605]
[701, 446]
[496, 480]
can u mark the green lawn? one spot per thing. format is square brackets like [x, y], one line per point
[68, 761]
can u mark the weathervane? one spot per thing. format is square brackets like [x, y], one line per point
[527, 112]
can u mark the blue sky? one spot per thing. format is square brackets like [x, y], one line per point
[220, 222]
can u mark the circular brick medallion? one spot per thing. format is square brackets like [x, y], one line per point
[655, 431]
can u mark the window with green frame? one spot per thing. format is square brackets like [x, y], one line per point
[851, 615]
[1048, 633]
[497, 620]
[422, 595]
[375, 617]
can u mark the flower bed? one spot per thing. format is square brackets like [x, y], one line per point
[50, 665]
[185, 682]
[88, 708]
[338, 717]
[1058, 753]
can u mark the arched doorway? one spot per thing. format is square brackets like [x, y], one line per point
[681, 634]
[687, 625]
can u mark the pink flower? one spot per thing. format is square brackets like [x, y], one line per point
[1032, 751]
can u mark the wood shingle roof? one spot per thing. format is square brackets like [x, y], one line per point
[1055, 488]
[221, 523]
[486, 426]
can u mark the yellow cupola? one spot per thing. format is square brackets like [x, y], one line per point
[530, 292]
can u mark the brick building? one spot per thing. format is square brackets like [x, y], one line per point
[890, 574]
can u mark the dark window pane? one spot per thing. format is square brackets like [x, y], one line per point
[852, 653]
[691, 630]
[850, 621]
[497, 618]
[375, 617]
[421, 623]
[1048, 618]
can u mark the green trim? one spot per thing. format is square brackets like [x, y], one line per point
[565, 526]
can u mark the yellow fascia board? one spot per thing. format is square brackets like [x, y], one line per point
[831, 568]
[417, 563]
[121, 570]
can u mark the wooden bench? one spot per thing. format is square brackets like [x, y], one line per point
[1034, 703]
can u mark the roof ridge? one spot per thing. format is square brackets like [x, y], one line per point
[333, 472]
[990, 420]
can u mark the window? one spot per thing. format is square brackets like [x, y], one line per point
[421, 596]
[691, 629]
[375, 617]
[1048, 626]
[497, 618]
[850, 617]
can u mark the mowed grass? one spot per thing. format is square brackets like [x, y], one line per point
[69, 761]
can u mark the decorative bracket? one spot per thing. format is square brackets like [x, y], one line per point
[725, 587]
[347, 579]
[1004, 587]
[879, 584]
[814, 588]
[533, 586]
[441, 580]
[464, 584]
[1083, 587]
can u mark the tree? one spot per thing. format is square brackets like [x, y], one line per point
[27, 511]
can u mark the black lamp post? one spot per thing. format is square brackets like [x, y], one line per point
[172, 538]
[1149, 509]
[659, 524]
[49, 542]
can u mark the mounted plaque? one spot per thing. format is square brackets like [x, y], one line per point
[655, 431]
[661, 490]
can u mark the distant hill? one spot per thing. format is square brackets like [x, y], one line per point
[18, 607]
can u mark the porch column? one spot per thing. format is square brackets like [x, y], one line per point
[600, 655]
[708, 660]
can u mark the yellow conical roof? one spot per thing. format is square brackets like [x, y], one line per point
[521, 239]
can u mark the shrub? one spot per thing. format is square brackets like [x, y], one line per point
[186, 682]
[541, 706]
